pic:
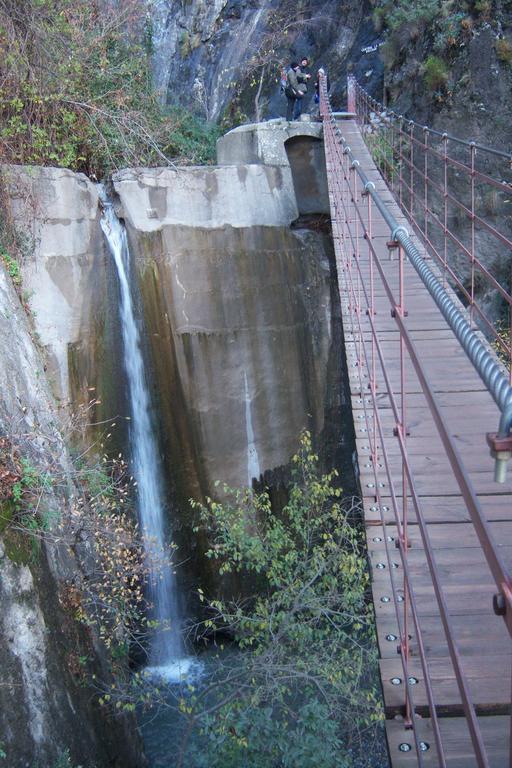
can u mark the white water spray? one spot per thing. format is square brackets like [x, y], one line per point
[166, 657]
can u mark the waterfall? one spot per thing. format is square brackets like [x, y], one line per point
[253, 461]
[166, 655]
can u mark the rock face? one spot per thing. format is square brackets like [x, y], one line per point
[203, 49]
[45, 713]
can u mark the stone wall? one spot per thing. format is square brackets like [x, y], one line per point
[201, 51]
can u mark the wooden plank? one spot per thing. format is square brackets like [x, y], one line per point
[446, 400]
[437, 509]
[470, 600]
[456, 742]
[471, 636]
[444, 536]
[488, 678]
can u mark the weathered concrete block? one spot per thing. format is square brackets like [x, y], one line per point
[263, 142]
[297, 145]
[236, 196]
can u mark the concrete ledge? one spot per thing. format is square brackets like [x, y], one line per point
[263, 143]
[242, 195]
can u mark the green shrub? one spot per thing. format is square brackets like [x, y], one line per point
[185, 48]
[435, 73]
[379, 19]
[413, 11]
[11, 266]
[192, 138]
[449, 31]
[504, 50]
[483, 7]
[306, 684]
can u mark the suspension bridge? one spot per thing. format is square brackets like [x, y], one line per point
[423, 260]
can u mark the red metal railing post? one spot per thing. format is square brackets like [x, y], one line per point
[425, 174]
[370, 311]
[411, 170]
[402, 429]
[355, 258]
[445, 205]
[393, 153]
[400, 161]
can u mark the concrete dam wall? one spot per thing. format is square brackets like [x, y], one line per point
[237, 304]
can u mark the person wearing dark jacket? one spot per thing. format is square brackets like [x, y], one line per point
[303, 76]
[295, 89]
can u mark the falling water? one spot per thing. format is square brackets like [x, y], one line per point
[166, 656]
[253, 461]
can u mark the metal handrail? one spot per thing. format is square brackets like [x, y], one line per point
[489, 370]
[341, 158]
[429, 183]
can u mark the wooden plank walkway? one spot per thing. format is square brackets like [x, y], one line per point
[469, 412]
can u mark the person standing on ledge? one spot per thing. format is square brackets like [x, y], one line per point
[303, 76]
[295, 89]
[292, 90]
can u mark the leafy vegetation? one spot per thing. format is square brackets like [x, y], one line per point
[304, 691]
[108, 593]
[435, 73]
[445, 27]
[192, 137]
[296, 682]
[22, 507]
[12, 267]
[294, 678]
[417, 11]
[446, 15]
[76, 89]
[504, 50]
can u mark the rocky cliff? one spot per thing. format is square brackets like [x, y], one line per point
[209, 54]
[46, 713]
[452, 69]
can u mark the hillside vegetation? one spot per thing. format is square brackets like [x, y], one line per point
[76, 90]
[452, 59]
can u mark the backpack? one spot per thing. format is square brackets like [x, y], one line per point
[283, 80]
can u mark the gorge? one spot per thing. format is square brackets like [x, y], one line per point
[182, 317]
